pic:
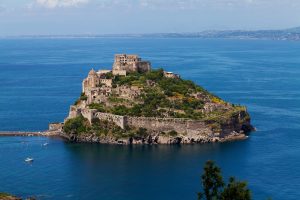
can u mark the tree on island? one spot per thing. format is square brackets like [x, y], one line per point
[214, 187]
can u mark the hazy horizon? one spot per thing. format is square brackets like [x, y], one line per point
[98, 17]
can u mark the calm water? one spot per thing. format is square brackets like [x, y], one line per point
[40, 78]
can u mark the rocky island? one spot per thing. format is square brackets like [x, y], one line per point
[134, 104]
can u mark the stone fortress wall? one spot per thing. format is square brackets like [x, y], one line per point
[180, 125]
[117, 119]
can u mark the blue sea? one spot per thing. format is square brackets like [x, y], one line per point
[41, 78]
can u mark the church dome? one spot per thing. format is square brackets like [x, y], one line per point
[92, 72]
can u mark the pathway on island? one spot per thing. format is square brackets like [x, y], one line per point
[21, 133]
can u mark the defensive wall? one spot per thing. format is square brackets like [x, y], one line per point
[180, 125]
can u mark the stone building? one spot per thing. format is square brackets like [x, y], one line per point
[98, 94]
[129, 63]
[171, 75]
[98, 85]
[127, 92]
[95, 79]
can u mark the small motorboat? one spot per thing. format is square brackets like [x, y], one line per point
[29, 160]
[45, 144]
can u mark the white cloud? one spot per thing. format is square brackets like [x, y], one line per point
[60, 3]
[178, 4]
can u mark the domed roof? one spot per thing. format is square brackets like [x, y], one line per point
[92, 72]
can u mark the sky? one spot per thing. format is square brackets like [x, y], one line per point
[63, 17]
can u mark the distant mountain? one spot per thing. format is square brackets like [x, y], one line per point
[293, 30]
[283, 34]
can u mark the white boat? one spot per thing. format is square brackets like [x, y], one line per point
[29, 160]
[45, 144]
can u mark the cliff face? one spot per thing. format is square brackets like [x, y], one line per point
[151, 107]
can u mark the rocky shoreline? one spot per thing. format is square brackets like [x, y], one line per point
[158, 138]
[149, 140]
[237, 128]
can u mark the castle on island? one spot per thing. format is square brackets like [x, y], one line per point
[98, 85]
[106, 89]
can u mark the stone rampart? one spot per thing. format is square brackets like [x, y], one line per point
[88, 114]
[117, 119]
[180, 125]
[74, 112]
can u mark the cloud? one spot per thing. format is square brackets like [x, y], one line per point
[60, 3]
[178, 4]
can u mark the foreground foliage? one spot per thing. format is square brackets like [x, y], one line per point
[6, 196]
[214, 187]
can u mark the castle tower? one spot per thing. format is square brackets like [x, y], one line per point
[130, 63]
[91, 81]
[92, 78]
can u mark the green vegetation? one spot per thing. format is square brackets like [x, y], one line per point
[116, 99]
[165, 97]
[80, 125]
[109, 75]
[3, 194]
[83, 97]
[120, 110]
[214, 187]
[172, 133]
[98, 106]
[105, 128]
[160, 97]
[76, 125]
[222, 117]
[6, 196]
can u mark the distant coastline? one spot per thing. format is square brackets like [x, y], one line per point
[292, 34]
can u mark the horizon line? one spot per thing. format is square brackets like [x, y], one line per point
[140, 34]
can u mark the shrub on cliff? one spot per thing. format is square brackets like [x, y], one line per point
[155, 75]
[172, 133]
[104, 127]
[126, 80]
[76, 125]
[83, 97]
[98, 106]
[120, 110]
[214, 187]
[141, 132]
